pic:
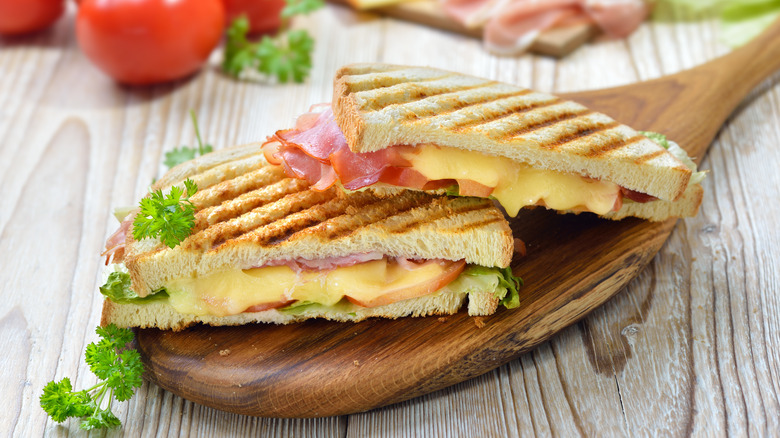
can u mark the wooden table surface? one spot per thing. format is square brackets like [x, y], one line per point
[691, 347]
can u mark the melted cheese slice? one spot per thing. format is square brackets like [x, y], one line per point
[232, 292]
[516, 185]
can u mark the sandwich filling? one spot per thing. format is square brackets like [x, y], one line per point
[316, 150]
[366, 280]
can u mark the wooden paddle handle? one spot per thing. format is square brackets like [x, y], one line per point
[692, 105]
[750, 64]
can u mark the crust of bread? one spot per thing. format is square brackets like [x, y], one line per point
[163, 316]
[380, 105]
[249, 213]
[685, 206]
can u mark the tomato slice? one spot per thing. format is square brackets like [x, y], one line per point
[467, 187]
[268, 306]
[447, 273]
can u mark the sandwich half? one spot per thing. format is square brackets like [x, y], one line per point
[267, 248]
[392, 127]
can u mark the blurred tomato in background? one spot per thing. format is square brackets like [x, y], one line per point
[264, 15]
[149, 41]
[25, 16]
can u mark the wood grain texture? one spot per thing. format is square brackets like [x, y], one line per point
[689, 347]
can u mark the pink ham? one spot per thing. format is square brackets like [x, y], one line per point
[115, 244]
[511, 26]
[318, 152]
[330, 263]
[514, 28]
[326, 264]
[617, 18]
[472, 13]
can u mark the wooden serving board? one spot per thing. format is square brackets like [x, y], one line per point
[574, 264]
[556, 42]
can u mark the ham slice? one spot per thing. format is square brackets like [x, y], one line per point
[326, 264]
[317, 151]
[115, 244]
[511, 26]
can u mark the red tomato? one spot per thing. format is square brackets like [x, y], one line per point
[264, 15]
[149, 41]
[23, 16]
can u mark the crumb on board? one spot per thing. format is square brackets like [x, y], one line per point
[443, 318]
[356, 363]
[479, 321]
[225, 352]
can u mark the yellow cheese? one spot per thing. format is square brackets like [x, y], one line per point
[232, 292]
[516, 185]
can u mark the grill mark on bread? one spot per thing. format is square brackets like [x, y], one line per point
[234, 187]
[549, 119]
[436, 212]
[259, 217]
[205, 178]
[580, 132]
[486, 114]
[378, 83]
[283, 229]
[410, 92]
[355, 219]
[612, 146]
[477, 124]
[650, 156]
[481, 223]
[247, 202]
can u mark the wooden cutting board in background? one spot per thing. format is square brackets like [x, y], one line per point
[556, 42]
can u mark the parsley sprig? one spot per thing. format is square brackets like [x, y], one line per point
[119, 370]
[286, 56]
[169, 217]
[184, 153]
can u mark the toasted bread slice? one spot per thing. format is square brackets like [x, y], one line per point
[249, 213]
[380, 105]
[163, 316]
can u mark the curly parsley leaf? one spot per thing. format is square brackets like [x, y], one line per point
[120, 372]
[286, 56]
[181, 154]
[286, 59]
[301, 7]
[169, 217]
[61, 402]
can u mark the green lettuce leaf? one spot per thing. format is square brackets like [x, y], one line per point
[117, 289]
[505, 284]
[298, 307]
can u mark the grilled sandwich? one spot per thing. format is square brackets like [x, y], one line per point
[267, 248]
[391, 127]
